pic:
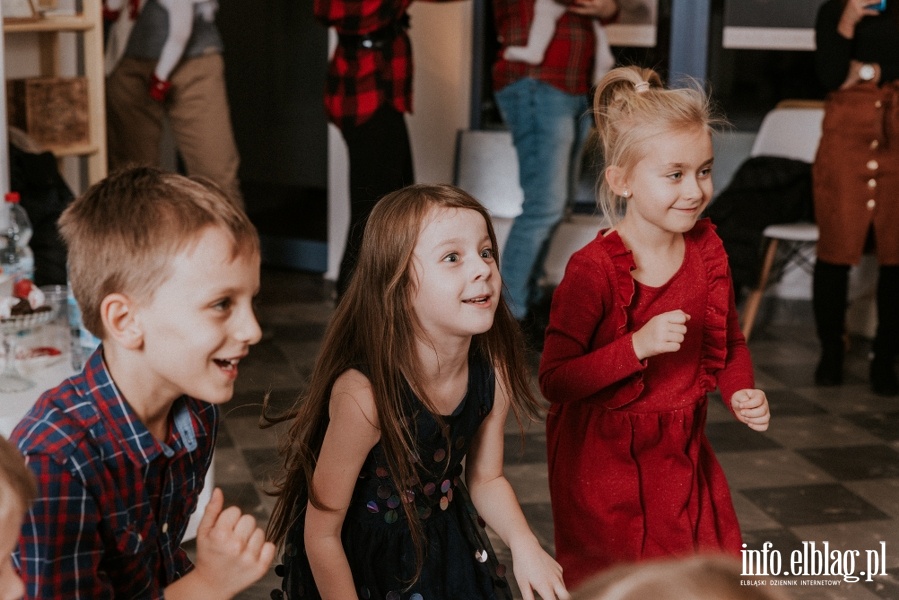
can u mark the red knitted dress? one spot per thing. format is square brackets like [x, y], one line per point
[631, 472]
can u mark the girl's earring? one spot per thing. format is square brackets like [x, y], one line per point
[626, 193]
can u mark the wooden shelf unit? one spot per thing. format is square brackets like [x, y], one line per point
[89, 25]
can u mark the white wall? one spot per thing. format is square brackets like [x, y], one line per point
[441, 50]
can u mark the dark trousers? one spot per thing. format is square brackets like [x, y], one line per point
[830, 292]
[380, 162]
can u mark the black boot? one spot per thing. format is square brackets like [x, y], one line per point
[883, 368]
[829, 292]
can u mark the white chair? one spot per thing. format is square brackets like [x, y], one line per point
[791, 130]
[487, 168]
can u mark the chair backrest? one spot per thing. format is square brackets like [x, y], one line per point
[790, 133]
[487, 168]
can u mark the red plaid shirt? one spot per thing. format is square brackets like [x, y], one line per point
[113, 503]
[362, 80]
[568, 62]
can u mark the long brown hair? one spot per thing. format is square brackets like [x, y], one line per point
[375, 326]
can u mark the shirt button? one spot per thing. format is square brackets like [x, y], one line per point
[878, 104]
[872, 183]
[872, 164]
[871, 204]
[874, 144]
[165, 528]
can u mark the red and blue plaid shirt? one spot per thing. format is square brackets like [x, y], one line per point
[362, 80]
[568, 62]
[113, 502]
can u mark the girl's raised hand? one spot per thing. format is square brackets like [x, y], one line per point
[662, 333]
[537, 571]
[751, 407]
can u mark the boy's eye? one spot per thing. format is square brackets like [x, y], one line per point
[675, 176]
[705, 172]
[223, 304]
[487, 253]
[451, 257]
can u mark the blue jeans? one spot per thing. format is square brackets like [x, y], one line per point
[548, 128]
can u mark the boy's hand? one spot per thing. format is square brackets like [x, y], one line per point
[662, 333]
[751, 407]
[232, 553]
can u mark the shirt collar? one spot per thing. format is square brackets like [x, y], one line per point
[124, 424]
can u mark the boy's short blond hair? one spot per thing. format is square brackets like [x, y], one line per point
[123, 233]
[16, 480]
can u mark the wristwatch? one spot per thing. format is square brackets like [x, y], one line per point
[866, 72]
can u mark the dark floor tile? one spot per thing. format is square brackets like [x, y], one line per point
[262, 462]
[299, 332]
[812, 505]
[885, 586]
[534, 450]
[735, 437]
[855, 462]
[244, 496]
[801, 375]
[884, 425]
[224, 439]
[781, 540]
[787, 403]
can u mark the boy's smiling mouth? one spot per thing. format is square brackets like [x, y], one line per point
[228, 364]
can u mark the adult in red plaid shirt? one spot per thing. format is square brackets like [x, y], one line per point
[368, 89]
[544, 106]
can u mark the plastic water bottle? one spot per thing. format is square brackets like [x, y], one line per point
[17, 259]
[83, 342]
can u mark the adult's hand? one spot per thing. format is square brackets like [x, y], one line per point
[853, 12]
[602, 9]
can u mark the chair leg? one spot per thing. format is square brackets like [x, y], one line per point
[755, 297]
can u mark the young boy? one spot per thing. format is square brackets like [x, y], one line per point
[17, 492]
[164, 269]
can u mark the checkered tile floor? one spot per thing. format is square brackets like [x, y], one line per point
[827, 470]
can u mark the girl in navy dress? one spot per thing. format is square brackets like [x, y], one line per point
[419, 368]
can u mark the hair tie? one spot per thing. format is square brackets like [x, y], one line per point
[641, 87]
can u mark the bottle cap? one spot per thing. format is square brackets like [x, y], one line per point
[13, 197]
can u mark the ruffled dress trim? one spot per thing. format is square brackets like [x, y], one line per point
[714, 342]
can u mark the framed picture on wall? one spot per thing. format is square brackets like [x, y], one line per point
[770, 24]
[636, 24]
[18, 9]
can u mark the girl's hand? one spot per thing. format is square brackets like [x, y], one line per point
[854, 11]
[536, 571]
[751, 407]
[663, 333]
[602, 9]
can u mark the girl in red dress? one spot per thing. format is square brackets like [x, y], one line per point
[643, 326]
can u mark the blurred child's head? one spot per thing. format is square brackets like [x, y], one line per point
[124, 232]
[17, 492]
[631, 109]
[704, 577]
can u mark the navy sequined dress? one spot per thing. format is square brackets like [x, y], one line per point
[459, 563]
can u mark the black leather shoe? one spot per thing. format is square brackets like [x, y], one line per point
[883, 377]
[829, 372]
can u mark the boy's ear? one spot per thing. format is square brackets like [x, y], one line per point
[119, 323]
[617, 179]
